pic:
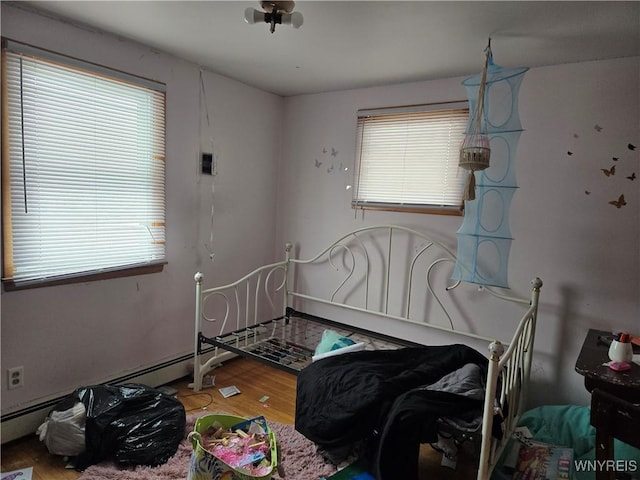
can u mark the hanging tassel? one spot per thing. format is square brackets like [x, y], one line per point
[470, 187]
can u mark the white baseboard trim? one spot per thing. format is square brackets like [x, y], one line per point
[26, 420]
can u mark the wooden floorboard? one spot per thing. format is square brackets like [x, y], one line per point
[254, 380]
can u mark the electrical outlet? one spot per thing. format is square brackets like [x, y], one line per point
[15, 377]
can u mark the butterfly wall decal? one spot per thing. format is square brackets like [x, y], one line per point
[632, 177]
[611, 171]
[318, 163]
[620, 202]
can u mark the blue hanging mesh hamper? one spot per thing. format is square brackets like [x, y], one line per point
[484, 238]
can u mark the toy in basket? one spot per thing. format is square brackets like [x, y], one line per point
[226, 447]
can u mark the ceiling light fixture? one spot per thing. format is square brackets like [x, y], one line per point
[274, 13]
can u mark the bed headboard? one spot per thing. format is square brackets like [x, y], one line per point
[393, 271]
[378, 269]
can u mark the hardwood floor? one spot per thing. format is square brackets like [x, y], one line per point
[254, 380]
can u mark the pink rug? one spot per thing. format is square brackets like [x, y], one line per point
[299, 459]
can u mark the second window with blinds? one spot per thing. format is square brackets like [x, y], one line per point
[407, 158]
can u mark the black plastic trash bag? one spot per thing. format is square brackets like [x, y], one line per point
[131, 424]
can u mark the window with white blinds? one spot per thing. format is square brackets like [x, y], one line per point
[83, 168]
[407, 158]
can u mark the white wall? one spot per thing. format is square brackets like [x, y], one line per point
[75, 335]
[585, 250]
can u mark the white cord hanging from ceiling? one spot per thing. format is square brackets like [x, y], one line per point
[214, 169]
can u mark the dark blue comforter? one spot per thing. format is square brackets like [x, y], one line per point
[378, 397]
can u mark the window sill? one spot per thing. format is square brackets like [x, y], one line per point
[428, 209]
[10, 285]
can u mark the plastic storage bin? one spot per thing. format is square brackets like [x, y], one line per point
[205, 466]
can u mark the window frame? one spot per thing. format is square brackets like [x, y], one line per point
[408, 110]
[11, 283]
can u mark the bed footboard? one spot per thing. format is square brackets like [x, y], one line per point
[507, 381]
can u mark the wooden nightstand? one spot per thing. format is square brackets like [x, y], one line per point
[615, 396]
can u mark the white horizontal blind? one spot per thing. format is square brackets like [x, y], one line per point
[86, 171]
[410, 158]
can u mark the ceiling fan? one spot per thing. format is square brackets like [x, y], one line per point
[274, 13]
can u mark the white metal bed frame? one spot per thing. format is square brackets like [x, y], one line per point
[257, 308]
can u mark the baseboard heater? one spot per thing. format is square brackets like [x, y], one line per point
[26, 421]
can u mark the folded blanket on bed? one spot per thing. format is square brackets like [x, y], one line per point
[468, 381]
[379, 397]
